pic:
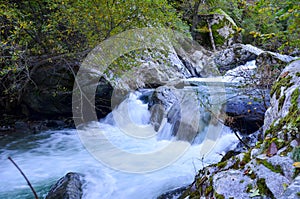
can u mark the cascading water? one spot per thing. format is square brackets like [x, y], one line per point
[47, 156]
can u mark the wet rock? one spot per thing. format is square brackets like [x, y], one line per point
[246, 115]
[68, 187]
[173, 193]
[21, 127]
[160, 103]
[181, 111]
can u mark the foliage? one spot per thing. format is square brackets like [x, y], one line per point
[35, 32]
[64, 26]
[269, 24]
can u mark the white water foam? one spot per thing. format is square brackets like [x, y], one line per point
[47, 156]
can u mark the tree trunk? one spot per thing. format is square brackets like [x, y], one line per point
[195, 18]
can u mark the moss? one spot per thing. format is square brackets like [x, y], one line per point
[247, 157]
[219, 39]
[242, 181]
[236, 165]
[252, 175]
[228, 155]
[291, 121]
[286, 151]
[276, 169]
[219, 196]
[249, 188]
[298, 193]
[263, 189]
[280, 102]
[296, 154]
[296, 172]
[282, 82]
[298, 74]
[208, 190]
[222, 164]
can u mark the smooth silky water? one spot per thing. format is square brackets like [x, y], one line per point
[47, 156]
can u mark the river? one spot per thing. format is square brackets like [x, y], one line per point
[47, 156]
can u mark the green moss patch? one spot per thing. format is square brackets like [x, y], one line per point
[291, 122]
[276, 168]
[222, 164]
[282, 82]
[263, 189]
[280, 103]
[219, 196]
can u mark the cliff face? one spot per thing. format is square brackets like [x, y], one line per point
[270, 169]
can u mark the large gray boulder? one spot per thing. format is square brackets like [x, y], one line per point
[284, 100]
[67, 187]
[239, 54]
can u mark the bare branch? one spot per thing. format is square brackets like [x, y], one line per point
[29, 184]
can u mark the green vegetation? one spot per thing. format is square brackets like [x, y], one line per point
[291, 122]
[270, 24]
[263, 189]
[276, 168]
[219, 196]
[63, 26]
[222, 164]
[296, 154]
[282, 82]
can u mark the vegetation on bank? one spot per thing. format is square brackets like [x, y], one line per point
[269, 24]
[32, 27]
[39, 32]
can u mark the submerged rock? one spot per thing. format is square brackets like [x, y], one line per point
[68, 187]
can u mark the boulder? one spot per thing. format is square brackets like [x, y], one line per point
[220, 25]
[49, 92]
[67, 187]
[265, 170]
[239, 54]
[283, 114]
[245, 114]
[292, 190]
[180, 112]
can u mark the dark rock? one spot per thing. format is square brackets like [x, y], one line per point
[49, 93]
[68, 187]
[21, 127]
[246, 115]
[173, 193]
[160, 103]
[180, 108]
[249, 140]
